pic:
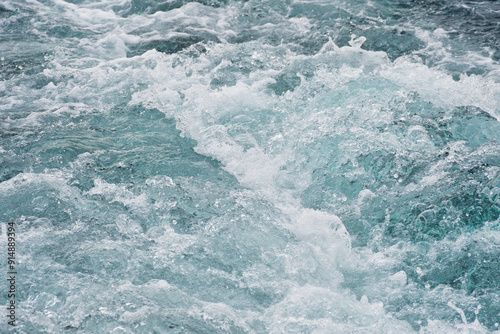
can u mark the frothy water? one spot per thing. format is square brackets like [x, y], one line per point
[252, 166]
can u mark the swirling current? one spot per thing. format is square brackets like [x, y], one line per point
[257, 166]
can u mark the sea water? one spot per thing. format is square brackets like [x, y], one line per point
[259, 166]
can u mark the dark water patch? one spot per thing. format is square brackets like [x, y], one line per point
[138, 7]
[395, 42]
[28, 64]
[477, 22]
[66, 31]
[170, 46]
[4, 12]
[284, 83]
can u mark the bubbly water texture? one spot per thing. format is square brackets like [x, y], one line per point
[260, 166]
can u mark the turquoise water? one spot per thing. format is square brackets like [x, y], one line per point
[251, 166]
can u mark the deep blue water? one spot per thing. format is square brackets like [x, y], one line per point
[314, 166]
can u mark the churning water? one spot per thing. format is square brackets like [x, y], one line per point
[260, 166]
